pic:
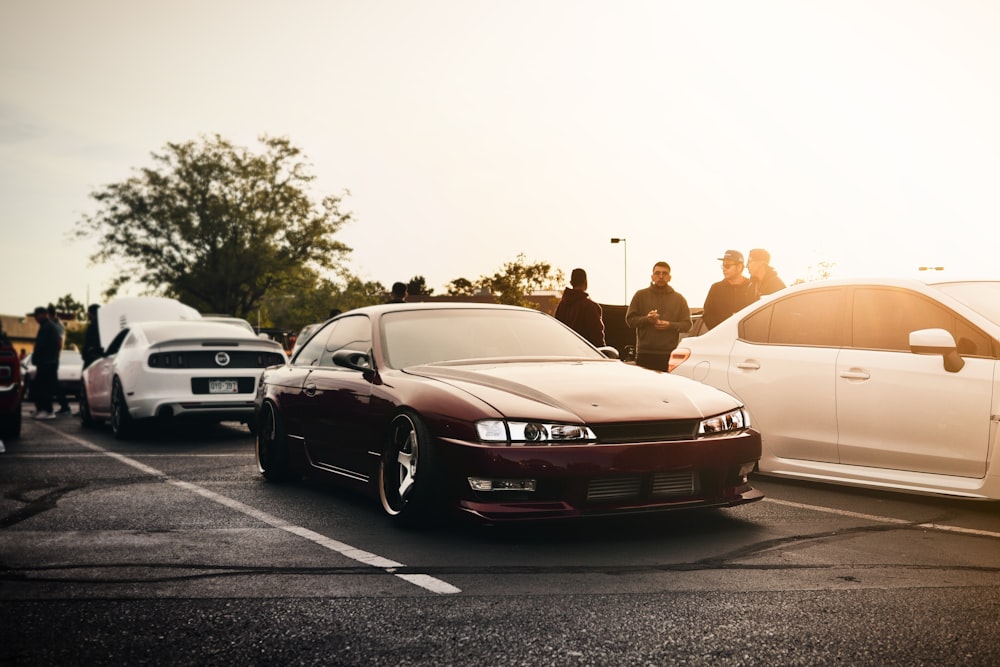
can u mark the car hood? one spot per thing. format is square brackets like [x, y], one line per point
[590, 391]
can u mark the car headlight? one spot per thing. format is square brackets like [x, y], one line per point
[521, 432]
[724, 424]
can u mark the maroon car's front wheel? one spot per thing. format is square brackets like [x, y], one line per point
[406, 479]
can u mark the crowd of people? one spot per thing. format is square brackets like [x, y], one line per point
[659, 314]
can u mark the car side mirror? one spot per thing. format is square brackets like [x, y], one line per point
[354, 360]
[937, 342]
[609, 352]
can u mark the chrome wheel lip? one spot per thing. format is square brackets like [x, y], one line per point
[399, 465]
[265, 438]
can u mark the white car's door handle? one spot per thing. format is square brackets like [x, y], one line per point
[855, 374]
[748, 365]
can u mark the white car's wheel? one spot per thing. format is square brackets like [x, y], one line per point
[122, 423]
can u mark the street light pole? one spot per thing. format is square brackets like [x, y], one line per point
[624, 264]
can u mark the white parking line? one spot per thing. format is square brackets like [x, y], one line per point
[422, 580]
[884, 519]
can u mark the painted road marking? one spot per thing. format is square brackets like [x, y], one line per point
[422, 580]
[884, 519]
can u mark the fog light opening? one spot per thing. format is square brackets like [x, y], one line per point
[484, 484]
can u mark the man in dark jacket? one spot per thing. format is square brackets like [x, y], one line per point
[92, 349]
[659, 315]
[763, 278]
[577, 311]
[730, 294]
[45, 357]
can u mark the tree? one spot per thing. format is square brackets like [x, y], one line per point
[821, 271]
[67, 305]
[512, 282]
[418, 287]
[217, 226]
[310, 298]
[461, 287]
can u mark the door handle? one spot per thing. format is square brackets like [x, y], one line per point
[748, 365]
[855, 374]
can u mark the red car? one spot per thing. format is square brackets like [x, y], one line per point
[11, 391]
[497, 412]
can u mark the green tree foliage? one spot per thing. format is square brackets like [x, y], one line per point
[310, 298]
[67, 305]
[418, 287]
[461, 287]
[512, 282]
[217, 226]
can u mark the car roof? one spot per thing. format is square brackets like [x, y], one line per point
[434, 305]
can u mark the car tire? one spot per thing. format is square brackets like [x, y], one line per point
[122, 423]
[272, 448]
[408, 476]
[86, 418]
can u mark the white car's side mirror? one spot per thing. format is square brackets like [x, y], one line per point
[938, 342]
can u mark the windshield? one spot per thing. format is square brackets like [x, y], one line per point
[982, 297]
[412, 338]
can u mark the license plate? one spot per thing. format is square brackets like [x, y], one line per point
[223, 387]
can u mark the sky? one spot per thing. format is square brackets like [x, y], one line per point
[864, 135]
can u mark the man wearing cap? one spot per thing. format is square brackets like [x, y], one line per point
[763, 278]
[730, 294]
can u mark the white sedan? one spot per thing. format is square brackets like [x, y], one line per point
[891, 384]
[177, 369]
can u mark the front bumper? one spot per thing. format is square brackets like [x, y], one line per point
[598, 480]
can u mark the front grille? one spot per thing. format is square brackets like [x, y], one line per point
[639, 487]
[206, 359]
[675, 484]
[617, 488]
[659, 431]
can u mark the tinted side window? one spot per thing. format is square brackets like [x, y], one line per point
[883, 319]
[116, 344]
[353, 333]
[811, 318]
[756, 327]
[311, 352]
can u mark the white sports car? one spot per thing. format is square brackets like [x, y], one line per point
[176, 369]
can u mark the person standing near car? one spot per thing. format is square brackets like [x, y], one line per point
[59, 394]
[92, 349]
[659, 316]
[763, 278]
[730, 294]
[45, 358]
[577, 311]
